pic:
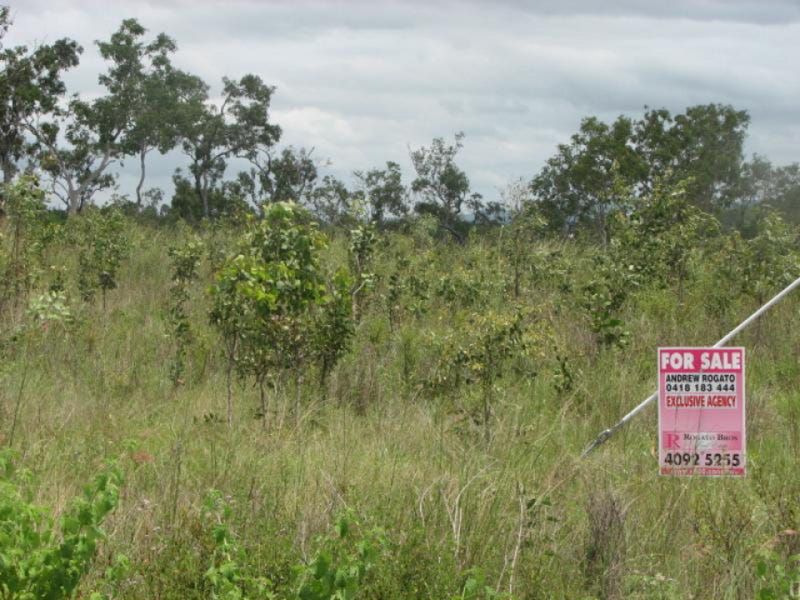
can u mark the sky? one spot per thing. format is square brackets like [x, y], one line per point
[364, 82]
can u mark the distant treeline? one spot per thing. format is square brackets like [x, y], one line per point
[76, 146]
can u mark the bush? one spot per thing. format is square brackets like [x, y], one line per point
[39, 560]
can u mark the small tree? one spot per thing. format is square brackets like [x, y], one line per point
[442, 186]
[265, 298]
[384, 192]
[185, 258]
[102, 246]
[518, 237]
[25, 205]
[333, 326]
[362, 248]
[656, 239]
[332, 202]
[765, 263]
[287, 176]
[603, 297]
[482, 355]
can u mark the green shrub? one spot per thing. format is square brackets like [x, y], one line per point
[39, 560]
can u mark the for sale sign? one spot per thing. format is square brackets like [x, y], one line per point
[701, 425]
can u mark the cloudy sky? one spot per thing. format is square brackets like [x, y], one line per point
[362, 82]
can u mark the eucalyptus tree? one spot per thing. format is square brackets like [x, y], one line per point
[75, 148]
[701, 147]
[577, 185]
[442, 186]
[30, 84]
[286, 176]
[518, 237]
[237, 126]
[331, 201]
[76, 144]
[157, 96]
[384, 192]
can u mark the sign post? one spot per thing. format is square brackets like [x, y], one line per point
[606, 434]
[701, 411]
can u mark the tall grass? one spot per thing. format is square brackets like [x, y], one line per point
[523, 510]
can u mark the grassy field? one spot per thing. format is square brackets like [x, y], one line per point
[437, 502]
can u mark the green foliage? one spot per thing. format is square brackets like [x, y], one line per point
[146, 86]
[406, 291]
[517, 241]
[103, 244]
[114, 579]
[764, 264]
[701, 147]
[777, 578]
[481, 354]
[266, 297]
[342, 565]
[211, 134]
[578, 185]
[226, 576]
[50, 307]
[223, 202]
[385, 192]
[185, 259]
[463, 288]
[331, 202]
[363, 241]
[334, 327]
[38, 560]
[22, 254]
[443, 187]
[603, 297]
[563, 377]
[477, 588]
[30, 85]
[657, 238]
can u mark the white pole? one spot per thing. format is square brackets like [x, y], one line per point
[607, 433]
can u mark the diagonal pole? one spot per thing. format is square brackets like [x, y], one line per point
[607, 433]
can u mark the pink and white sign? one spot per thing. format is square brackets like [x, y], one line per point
[701, 411]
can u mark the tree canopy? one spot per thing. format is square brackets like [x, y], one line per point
[235, 161]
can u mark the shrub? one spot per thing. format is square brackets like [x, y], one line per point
[39, 560]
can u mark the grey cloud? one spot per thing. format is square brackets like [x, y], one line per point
[771, 12]
[361, 82]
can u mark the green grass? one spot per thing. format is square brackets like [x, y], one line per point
[524, 509]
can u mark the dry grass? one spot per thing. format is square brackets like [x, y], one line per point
[537, 520]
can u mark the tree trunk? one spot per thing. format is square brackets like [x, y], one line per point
[298, 383]
[229, 380]
[142, 154]
[202, 196]
[74, 202]
[9, 170]
[324, 374]
[262, 393]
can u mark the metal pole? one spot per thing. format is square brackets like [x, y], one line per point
[607, 433]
